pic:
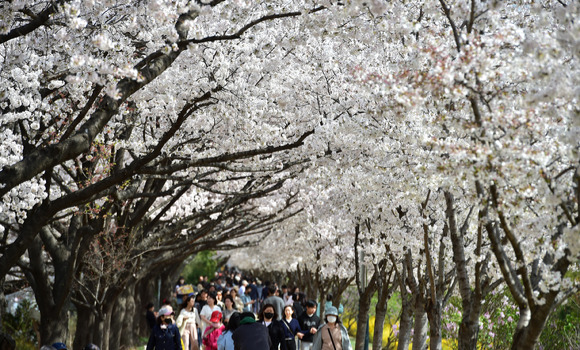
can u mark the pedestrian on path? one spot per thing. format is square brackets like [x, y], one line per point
[213, 331]
[309, 324]
[187, 322]
[332, 335]
[268, 318]
[165, 335]
[291, 328]
[251, 335]
[208, 310]
[225, 341]
[275, 301]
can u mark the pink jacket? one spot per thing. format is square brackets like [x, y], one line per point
[211, 336]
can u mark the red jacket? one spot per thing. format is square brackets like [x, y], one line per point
[211, 336]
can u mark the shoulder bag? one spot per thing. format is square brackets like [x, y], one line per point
[331, 339]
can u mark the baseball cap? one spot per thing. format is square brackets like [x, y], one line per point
[165, 311]
[216, 316]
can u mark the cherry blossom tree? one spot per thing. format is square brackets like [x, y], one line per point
[303, 130]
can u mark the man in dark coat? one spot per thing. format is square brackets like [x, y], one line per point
[251, 335]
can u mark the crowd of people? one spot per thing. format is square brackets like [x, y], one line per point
[235, 312]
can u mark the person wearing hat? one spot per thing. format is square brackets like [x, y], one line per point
[309, 324]
[213, 331]
[165, 335]
[332, 335]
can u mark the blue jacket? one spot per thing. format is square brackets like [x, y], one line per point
[292, 328]
[164, 339]
[225, 341]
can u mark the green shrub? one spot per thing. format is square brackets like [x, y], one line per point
[21, 325]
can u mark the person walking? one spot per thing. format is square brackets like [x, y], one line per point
[309, 324]
[207, 311]
[187, 322]
[238, 304]
[213, 331]
[225, 341]
[268, 318]
[177, 290]
[165, 335]
[247, 300]
[275, 301]
[150, 316]
[299, 299]
[291, 328]
[251, 335]
[332, 335]
[229, 306]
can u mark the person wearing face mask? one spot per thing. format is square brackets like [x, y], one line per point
[165, 335]
[275, 301]
[309, 324]
[268, 318]
[332, 335]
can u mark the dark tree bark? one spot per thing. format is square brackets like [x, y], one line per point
[417, 287]
[406, 319]
[365, 294]
[83, 333]
[471, 295]
[523, 283]
[130, 329]
[118, 319]
[385, 289]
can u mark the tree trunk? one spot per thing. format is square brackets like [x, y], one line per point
[364, 306]
[116, 325]
[434, 315]
[406, 321]
[385, 289]
[3, 303]
[527, 337]
[98, 331]
[471, 298]
[469, 327]
[106, 322]
[145, 292]
[380, 315]
[130, 329]
[420, 327]
[85, 323]
[168, 279]
[54, 326]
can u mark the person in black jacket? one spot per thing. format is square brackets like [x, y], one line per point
[151, 319]
[298, 298]
[309, 324]
[268, 318]
[251, 335]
